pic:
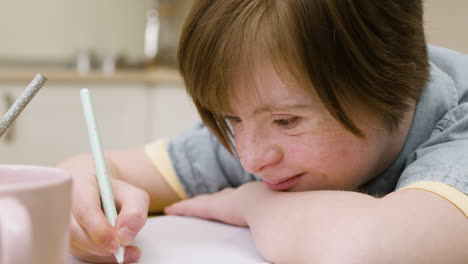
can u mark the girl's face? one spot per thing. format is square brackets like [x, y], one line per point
[288, 138]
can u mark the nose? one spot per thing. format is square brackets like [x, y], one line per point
[257, 152]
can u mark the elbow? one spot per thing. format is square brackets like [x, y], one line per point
[338, 250]
[343, 244]
[332, 232]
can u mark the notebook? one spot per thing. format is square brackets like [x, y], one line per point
[182, 240]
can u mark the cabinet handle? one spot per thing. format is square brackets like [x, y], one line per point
[9, 101]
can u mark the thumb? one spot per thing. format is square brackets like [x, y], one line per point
[134, 204]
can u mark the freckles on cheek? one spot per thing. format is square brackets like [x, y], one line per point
[238, 145]
[346, 151]
[242, 149]
[328, 155]
[349, 163]
[312, 155]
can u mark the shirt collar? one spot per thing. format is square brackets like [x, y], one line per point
[435, 101]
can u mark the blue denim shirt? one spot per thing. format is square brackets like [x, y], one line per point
[436, 148]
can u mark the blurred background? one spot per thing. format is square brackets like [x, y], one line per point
[124, 52]
[447, 23]
[55, 32]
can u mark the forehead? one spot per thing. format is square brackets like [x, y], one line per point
[264, 87]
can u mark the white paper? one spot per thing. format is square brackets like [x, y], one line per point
[182, 240]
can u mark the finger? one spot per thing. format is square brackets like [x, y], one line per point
[134, 205]
[221, 206]
[198, 206]
[87, 211]
[82, 243]
[132, 254]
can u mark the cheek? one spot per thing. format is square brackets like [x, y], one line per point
[338, 162]
[325, 150]
[241, 145]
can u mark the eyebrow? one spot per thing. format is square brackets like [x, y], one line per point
[280, 107]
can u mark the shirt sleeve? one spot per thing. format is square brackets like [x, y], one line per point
[195, 162]
[158, 155]
[440, 165]
[456, 197]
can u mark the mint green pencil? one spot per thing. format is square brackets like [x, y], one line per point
[102, 176]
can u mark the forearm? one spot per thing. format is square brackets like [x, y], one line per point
[347, 227]
[130, 166]
[135, 168]
[310, 227]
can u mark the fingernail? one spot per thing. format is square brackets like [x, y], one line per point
[125, 235]
[136, 255]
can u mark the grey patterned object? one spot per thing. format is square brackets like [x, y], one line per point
[21, 102]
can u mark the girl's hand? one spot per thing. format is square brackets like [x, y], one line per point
[92, 237]
[231, 206]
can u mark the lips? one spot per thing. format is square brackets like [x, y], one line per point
[283, 184]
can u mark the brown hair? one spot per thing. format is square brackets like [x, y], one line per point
[370, 50]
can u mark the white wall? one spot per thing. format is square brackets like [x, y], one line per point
[56, 30]
[447, 23]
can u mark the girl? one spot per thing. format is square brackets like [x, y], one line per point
[342, 137]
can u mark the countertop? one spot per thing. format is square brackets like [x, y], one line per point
[157, 75]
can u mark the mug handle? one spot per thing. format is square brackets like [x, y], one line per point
[15, 232]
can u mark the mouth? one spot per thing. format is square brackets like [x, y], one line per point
[284, 184]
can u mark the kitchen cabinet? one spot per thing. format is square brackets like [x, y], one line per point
[52, 126]
[131, 109]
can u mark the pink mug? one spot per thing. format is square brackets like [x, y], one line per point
[34, 215]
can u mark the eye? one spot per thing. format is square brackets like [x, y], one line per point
[287, 123]
[233, 120]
